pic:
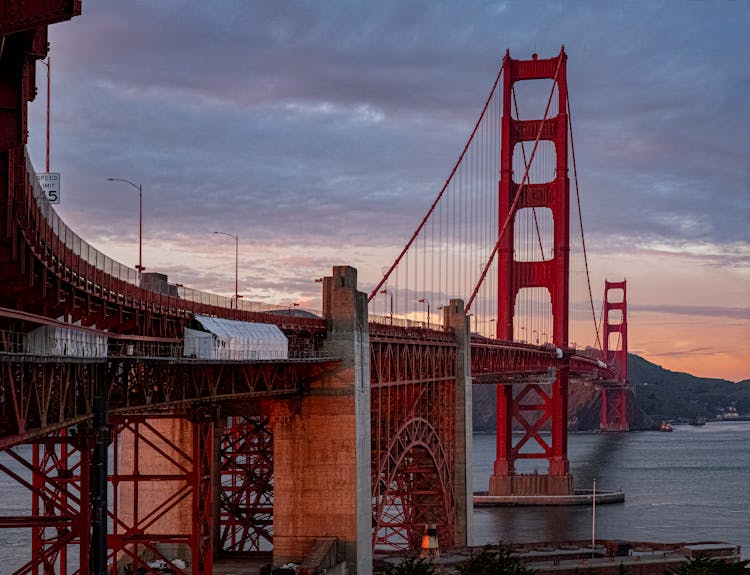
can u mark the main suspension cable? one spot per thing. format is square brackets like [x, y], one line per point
[375, 291]
[520, 191]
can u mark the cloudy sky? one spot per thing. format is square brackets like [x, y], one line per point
[321, 131]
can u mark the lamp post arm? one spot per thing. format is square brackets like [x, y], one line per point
[48, 64]
[236, 238]
[140, 228]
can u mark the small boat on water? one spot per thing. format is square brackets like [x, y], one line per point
[730, 413]
[698, 421]
[665, 426]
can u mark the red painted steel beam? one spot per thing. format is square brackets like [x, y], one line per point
[18, 521]
[42, 395]
[42, 320]
[28, 14]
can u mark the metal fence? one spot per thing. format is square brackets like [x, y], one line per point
[62, 343]
[100, 261]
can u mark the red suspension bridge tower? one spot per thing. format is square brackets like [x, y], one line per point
[614, 415]
[531, 405]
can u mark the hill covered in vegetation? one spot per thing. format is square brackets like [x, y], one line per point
[665, 394]
[656, 394]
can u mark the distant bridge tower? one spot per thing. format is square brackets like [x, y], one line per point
[615, 348]
[533, 405]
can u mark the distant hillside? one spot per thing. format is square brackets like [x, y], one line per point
[656, 394]
[665, 394]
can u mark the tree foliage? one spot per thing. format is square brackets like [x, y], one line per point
[494, 562]
[705, 565]
[412, 566]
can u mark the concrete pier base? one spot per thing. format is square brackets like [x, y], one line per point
[533, 484]
[578, 497]
[455, 318]
[322, 442]
[615, 426]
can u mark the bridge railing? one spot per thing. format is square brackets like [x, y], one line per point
[54, 343]
[212, 299]
[402, 322]
[87, 254]
[73, 241]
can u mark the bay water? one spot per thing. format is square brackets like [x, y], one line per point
[686, 486]
[690, 485]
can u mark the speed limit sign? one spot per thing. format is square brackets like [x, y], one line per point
[50, 182]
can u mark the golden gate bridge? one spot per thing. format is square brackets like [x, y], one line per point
[356, 431]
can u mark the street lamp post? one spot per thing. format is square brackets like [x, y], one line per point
[533, 331]
[236, 238]
[48, 63]
[427, 302]
[440, 308]
[390, 293]
[138, 187]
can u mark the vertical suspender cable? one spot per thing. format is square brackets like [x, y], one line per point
[580, 221]
[442, 191]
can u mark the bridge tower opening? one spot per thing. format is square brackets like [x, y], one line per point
[544, 438]
[614, 415]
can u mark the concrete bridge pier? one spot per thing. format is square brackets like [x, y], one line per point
[322, 483]
[455, 318]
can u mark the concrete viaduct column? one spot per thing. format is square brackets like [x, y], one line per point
[322, 484]
[455, 318]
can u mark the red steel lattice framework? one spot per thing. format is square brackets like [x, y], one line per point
[143, 519]
[413, 398]
[246, 495]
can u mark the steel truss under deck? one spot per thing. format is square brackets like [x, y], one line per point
[161, 491]
[413, 398]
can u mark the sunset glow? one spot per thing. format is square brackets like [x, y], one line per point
[321, 136]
